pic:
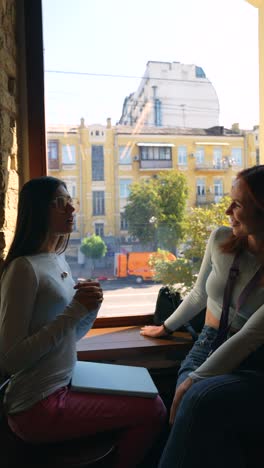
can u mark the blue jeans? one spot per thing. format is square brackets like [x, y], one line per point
[216, 414]
[198, 354]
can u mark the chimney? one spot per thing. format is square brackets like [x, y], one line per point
[108, 122]
[82, 123]
[235, 128]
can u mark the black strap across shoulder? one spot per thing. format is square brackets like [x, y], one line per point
[232, 276]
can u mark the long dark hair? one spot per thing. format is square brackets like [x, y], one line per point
[32, 225]
[253, 178]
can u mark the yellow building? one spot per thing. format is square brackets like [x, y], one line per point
[99, 163]
[83, 158]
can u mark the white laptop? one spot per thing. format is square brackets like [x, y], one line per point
[96, 377]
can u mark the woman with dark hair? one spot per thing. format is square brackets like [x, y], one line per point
[218, 410]
[42, 315]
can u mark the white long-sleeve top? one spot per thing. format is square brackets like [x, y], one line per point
[40, 323]
[209, 290]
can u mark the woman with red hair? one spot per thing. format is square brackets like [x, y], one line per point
[218, 401]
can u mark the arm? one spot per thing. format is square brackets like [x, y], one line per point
[18, 350]
[192, 304]
[197, 299]
[237, 348]
[86, 323]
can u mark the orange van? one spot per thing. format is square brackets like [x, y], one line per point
[135, 265]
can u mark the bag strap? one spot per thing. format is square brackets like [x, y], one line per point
[232, 276]
[249, 287]
[223, 326]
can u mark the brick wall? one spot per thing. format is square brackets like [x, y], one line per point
[8, 123]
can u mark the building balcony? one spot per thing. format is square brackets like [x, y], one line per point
[211, 166]
[208, 199]
[155, 164]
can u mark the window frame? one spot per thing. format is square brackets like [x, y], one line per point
[36, 128]
[68, 152]
[98, 202]
[34, 88]
[53, 148]
[97, 159]
[99, 229]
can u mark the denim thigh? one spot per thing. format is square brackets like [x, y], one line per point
[198, 353]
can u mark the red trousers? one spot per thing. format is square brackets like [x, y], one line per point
[66, 414]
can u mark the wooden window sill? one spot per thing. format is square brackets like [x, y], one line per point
[125, 345]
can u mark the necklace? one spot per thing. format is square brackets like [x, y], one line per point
[64, 274]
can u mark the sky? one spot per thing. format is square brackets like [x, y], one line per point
[96, 51]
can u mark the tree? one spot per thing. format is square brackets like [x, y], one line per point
[93, 247]
[156, 208]
[199, 223]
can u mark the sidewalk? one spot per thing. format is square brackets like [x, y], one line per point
[82, 271]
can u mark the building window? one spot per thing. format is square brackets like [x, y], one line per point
[199, 73]
[200, 187]
[157, 113]
[182, 155]
[199, 155]
[124, 154]
[217, 158]
[68, 154]
[71, 187]
[236, 156]
[218, 190]
[155, 152]
[97, 162]
[98, 202]
[99, 229]
[53, 154]
[257, 156]
[124, 187]
[123, 222]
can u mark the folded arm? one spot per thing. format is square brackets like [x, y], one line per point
[18, 349]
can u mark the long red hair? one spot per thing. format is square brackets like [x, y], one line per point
[253, 178]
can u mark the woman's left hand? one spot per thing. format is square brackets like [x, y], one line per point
[89, 293]
[179, 394]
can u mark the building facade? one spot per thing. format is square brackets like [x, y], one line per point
[172, 94]
[100, 163]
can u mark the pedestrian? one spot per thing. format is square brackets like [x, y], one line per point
[217, 411]
[42, 315]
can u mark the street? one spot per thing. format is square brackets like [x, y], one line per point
[128, 298]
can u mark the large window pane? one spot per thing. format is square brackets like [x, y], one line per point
[126, 105]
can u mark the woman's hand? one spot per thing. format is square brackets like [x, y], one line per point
[179, 394]
[153, 331]
[89, 294]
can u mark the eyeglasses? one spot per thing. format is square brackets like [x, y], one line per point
[61, 202]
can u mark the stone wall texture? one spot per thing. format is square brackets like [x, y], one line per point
[9, 177]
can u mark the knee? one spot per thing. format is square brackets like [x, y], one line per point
[157, 413]
[199, 403]
[160, 410]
